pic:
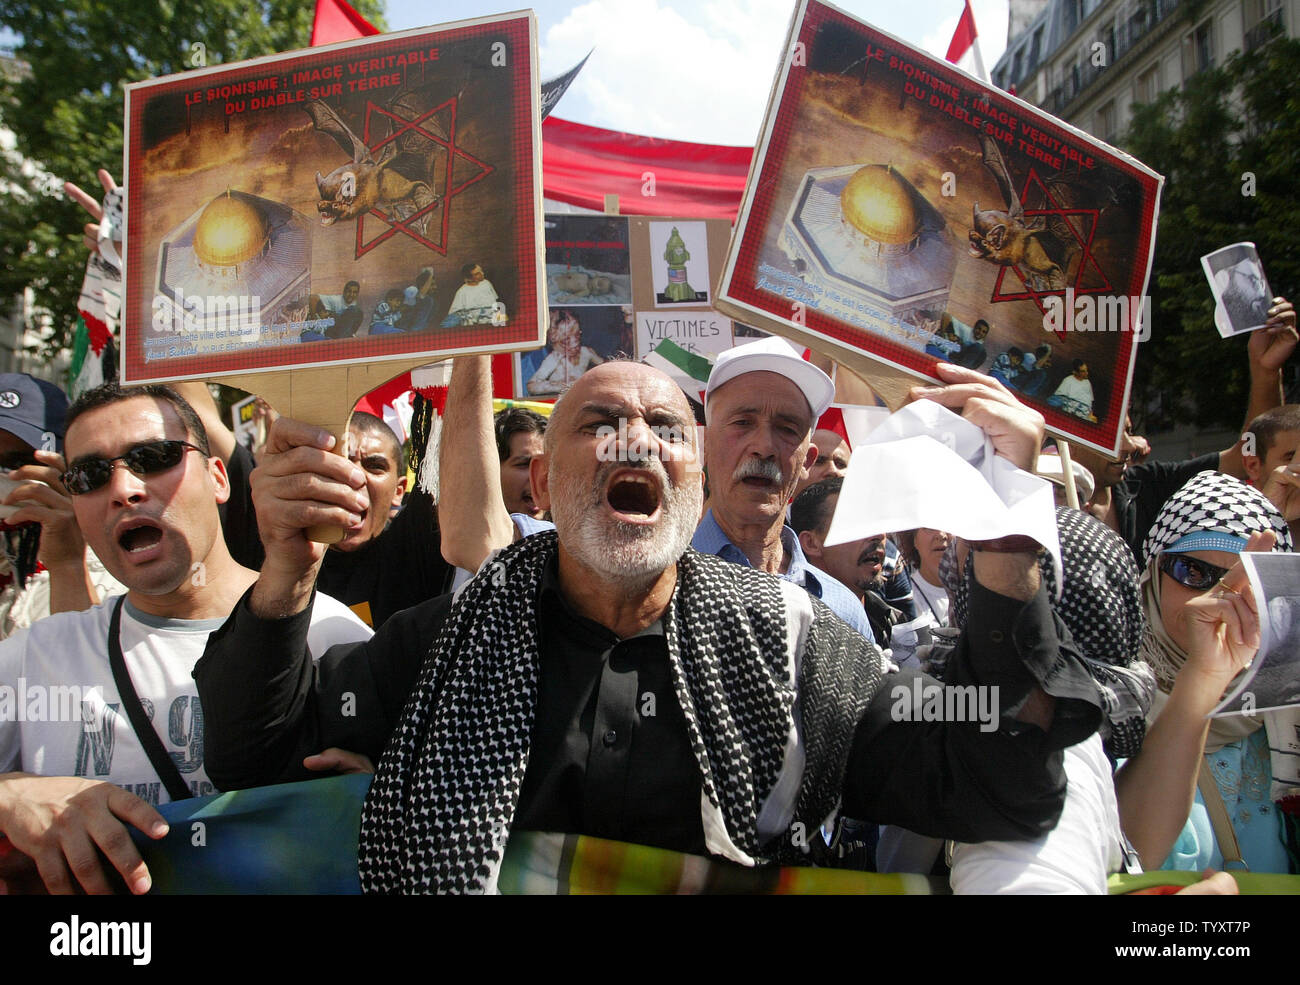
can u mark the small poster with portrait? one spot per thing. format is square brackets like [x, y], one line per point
[1272, 680]
[1241, 292]
[618, 286]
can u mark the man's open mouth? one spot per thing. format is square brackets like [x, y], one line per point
[634, 495]
[139, 536]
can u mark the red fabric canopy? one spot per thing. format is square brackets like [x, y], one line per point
[581, 164]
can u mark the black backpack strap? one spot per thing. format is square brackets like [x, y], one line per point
[163, 763]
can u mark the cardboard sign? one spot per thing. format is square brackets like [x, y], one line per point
[899, 213]
[368, 202]
[620, 285]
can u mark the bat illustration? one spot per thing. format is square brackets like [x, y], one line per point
[397, 183]
[1041, 249]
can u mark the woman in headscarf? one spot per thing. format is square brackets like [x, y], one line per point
[1202, 632]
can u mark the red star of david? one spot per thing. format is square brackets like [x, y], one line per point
[1084, 239]
[448, 193]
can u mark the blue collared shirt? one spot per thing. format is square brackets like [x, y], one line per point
[709, 539]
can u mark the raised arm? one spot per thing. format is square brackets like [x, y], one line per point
[471, 512]
[1156, 788]
[1000, 776]
[1269, 348]
[41, 498]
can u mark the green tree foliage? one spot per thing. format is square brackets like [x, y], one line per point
[1230, 131]
[65, 110]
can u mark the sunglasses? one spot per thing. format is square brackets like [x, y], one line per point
[1189, 571]
[148, 458]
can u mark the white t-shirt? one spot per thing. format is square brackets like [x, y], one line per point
[471, 296]
[1073, 388]
[1076, 857]
[931, 598]
[57, 672]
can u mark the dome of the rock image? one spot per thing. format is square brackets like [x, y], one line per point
[232, 230]
[878, 202]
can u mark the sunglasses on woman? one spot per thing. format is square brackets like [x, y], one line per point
[1192, 572]
[149, 458]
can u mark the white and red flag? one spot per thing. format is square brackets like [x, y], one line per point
[964, 48]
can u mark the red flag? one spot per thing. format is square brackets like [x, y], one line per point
[337, 21]
[962, 38]
[965, 41]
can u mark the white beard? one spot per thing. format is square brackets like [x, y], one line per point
[623, 551]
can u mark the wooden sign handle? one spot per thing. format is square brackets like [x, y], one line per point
[1067, 473]
[326, 533]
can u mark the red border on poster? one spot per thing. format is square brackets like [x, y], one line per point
[767, 200]
[505, 44]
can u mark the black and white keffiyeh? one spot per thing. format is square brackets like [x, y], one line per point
[1101, 606]
[1214, 502]
[439, 812]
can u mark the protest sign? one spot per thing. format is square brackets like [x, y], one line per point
[899, 213]
[309, 225]
[621, 286]
[1241, 293]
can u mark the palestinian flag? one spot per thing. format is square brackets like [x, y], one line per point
[689, 370]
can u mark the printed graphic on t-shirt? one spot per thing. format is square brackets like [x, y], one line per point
[184, 739]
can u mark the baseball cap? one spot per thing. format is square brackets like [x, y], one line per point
[1052, 469]
[31, 408]
[773, 355]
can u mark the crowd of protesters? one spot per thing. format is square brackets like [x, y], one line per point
[608, 624]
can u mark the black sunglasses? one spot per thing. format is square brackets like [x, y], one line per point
[1189, 571]
[148, 458]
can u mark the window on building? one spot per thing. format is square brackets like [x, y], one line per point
[1036, 49]
[1198, 50]
[1262, 20]
[1104, 127]
[1147, 85]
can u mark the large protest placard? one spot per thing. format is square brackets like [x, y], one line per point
[369, 202]
[900, 212]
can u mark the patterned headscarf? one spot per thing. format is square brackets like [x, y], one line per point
[1210, 503]
[1217, 504]
[1100, 605]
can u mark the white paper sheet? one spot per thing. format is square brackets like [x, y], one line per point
[927, 467]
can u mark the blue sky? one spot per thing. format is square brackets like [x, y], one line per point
[690, 70]
[694, 70]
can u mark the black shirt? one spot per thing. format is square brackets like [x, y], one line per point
[400, 568]
[601, 764]
[1145, 489]
[238, 519]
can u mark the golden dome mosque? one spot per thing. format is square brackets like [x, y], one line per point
[864, 232]
[230, 231]
[233, 269]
